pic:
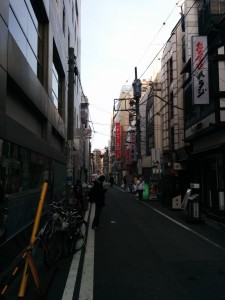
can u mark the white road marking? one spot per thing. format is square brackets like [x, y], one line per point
[185, 227]
[87, 280]
[71, 279]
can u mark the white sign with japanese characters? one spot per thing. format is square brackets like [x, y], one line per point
[200, 70]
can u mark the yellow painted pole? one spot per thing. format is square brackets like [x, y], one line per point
[39, 212]
[23, 284]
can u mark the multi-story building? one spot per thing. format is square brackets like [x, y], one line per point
[192, 114]
[39, 71]
[152, 135]
[124, 133]
[97, 166]
[172, 115]
[204, 92]
[119, 134]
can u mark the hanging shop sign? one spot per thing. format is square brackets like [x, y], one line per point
[200, 70]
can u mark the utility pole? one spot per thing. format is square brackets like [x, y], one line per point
[70, 124]
[137, 95]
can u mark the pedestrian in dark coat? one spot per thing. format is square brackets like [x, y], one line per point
[97, 195]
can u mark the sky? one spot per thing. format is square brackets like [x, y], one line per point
[116, 37]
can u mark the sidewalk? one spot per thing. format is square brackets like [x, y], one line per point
[210, 219]
[182, 215]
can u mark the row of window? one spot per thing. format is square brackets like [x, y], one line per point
[28, 32]
[21, 169]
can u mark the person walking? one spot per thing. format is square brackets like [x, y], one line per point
[140, 188]
[97, 195]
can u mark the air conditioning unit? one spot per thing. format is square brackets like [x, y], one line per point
[177, 166]
[176, 202]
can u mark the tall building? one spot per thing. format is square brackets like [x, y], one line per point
[39, 69]
[204, 92]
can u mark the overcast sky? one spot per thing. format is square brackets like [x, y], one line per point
[116, 37]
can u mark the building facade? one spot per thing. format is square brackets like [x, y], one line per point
[204, 92]
[192, 107]
[36, 41]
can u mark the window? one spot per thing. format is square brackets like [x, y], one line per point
[28, 33]
[68, 41]
[55, 86]
[170, 71]
[217, 7]
[183, 22]
[64, 19]
[21, 169]
[170, 108]
[58, 81]
[183, 50]
[171, 138]
[73, 13]
[76, 10]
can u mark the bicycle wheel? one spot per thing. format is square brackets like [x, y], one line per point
[53, 247]
[69, 240]
[81, 235]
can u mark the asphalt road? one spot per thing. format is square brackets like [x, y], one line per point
[146, 251]
[143, 251]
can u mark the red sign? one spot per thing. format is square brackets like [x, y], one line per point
[118, 145]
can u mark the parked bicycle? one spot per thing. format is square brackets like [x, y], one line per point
[64, 232]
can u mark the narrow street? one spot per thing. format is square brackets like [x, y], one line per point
[142, 251]
[143, 254]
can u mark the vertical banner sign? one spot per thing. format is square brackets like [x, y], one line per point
[118, 151]
[200, 70]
